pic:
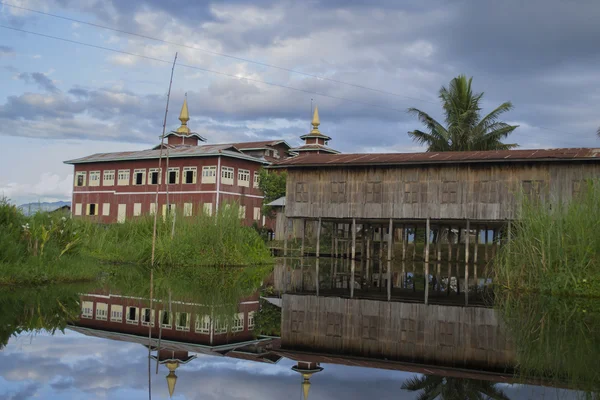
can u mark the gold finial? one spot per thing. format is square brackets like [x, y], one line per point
[184, 117]
[315, 122]
[306, 386]
[172, 378]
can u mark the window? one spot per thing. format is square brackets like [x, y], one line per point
[87, 308]
[101, 311]
[534, 190]
[173, 176]
[207, 208]
[137, 209]
[209, 174]
[449, 192]
[109, 178]
[301, 192]
[105, 209]
[78, 209]
[189, 175]
[123, 177]
[202, 324]
[251, 320]
[139, 176]
[94, 178]
[187, 209]
[182, 321]
[132, 316]
[488, 191]
[154, 175]
[256, 215]
[227, 175]
[80, 178]
[338, 192]
[276, 153]
[147, 317]
[373, 192]
[256, 180]
[152, 208]
[91, 209]
[242, 212]
[238, 323]
[415, 192]
[220, 327]
[243, 177]
[165, 319]
[116, 313]
[171, 209]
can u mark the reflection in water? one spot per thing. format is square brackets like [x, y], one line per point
[443, 388]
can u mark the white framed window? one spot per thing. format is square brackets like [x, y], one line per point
[139, 176]
[207, 208]
[173, 176]
[275, 153]
[87, 309]
[132, 315]
[152, 208]
[187, 209]
[220, 327]
[171, 209]
[154, 176]
[238, 323]
[78, 209]
[147, 317]
[101, 311]
[242, 212]
[243, 177]
[91, 209]
[105, 209]
[108, 178]
[116, 313]
[209, 174]
[255, 181]
[251, 320]
[165, 319]
[227, 175]
[123, 177]
[94, 178]
[80, 178]
[189, 175]
[121, 213]
[202, 324]
[182, 321]
[256, 214]
[137, 209]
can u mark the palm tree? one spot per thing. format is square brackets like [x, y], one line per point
[439, 387]
[465, 129]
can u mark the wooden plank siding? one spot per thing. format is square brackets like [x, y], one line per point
[485, 192]
[464, 337]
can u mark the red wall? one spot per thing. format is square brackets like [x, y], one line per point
[178, 193]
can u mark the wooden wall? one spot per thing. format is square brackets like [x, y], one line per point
[467, 337]
[485, 192]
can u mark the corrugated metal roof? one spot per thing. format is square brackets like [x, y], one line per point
[323, 160]
[280, 202]
[184, 151]
[257, 145]
[314, 147]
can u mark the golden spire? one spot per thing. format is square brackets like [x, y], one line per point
[172, 378]
[315, 122]
[184, 117]
[306, 385]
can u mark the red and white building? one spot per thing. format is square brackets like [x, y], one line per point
[114, 187]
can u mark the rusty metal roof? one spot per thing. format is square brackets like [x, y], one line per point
[258, 145]
[225, 150]
[459, 157]
[314, 147]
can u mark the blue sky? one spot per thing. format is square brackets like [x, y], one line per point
[62, 100]
[75, 366]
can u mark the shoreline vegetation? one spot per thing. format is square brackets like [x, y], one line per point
[50, 247]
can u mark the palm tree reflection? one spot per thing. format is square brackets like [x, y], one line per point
[444, 388]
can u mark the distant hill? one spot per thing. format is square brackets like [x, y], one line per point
[32, 208]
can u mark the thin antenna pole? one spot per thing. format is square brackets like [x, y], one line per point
[162, 141]
[311, 114]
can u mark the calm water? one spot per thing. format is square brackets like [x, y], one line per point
[208, 348]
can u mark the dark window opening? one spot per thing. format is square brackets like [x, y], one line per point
[139, 178]
[131, 313]
[172, 177]
[154, 178]
[182, 319]
[79, 180]
[165, 318]
[92, 209]
[147, 315]
[189, 176]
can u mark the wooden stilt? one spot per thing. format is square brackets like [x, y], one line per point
[467, 236]
[476, 245]
[459, 237]
[404, 240]
[389, 260]
[487, 257]
[303, 236]
[353, 261]
[381, 230]
[427, 232]
[414, 253]
[319, 238]
[332, 249]
[317, 276]
[285, 238]
[494, 241]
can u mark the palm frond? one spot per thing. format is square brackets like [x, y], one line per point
[493, 116]
[415, 383]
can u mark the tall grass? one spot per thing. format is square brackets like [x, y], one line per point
[554, 250]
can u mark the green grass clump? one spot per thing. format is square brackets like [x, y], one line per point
[554, 250]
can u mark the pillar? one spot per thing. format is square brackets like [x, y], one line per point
[303, 235]
[353, 258]
[487, 257]
[389, 261]
[467, 262]
[319, 238]
[414, 244]
[427, 232]
[404, 240]
[317, 276]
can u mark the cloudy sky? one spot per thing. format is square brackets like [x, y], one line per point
[74, 366]
[363, 65]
